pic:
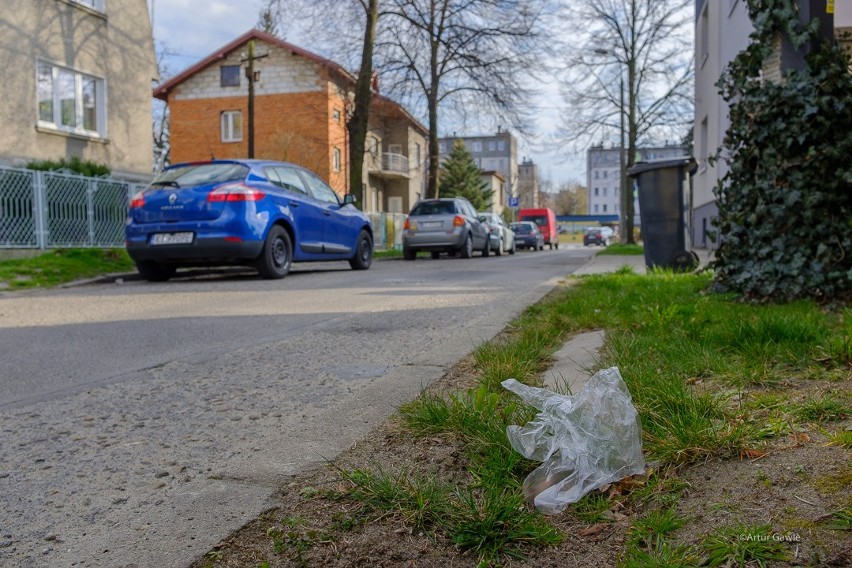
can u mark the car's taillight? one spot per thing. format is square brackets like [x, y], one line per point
[138, 200]
[458, 221]
[407, 224]
[235, 192]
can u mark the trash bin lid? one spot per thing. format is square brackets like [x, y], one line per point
[682, 161]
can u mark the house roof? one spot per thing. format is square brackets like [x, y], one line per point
[163, 90]
[395, 110]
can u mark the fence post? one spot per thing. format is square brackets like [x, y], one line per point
[91, 188]
[40, 210]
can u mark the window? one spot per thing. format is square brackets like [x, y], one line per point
[604, 207]
[441, 148]
[374, 146]
[96, 4]
[501, 145]
[232, 126]
[229, 75]
[319, 189]
[71, 101]
[285, 177]
[605, 173]
[704, 37]
[335, 115]
[416, 156]
[491, 146]
[336, 159]
[477, 146]
[597, 192]
[596, 174]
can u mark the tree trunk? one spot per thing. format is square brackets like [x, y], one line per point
[359, 121]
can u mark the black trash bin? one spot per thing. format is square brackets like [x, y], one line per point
[664, 206]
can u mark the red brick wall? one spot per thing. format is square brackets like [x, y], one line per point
[298, 128]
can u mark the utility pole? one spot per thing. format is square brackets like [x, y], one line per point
[252, 76]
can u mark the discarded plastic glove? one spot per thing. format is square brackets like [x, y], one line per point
[585, 440]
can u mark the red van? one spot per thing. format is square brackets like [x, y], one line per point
[545, 218]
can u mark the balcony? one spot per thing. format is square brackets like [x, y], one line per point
[393, 166]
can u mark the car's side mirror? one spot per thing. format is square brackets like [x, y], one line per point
[349, 199]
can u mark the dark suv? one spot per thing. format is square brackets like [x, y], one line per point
[448, 224]
[598, 236]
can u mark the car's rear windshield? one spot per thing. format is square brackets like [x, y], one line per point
[522, 229]
[537, 219]
[201, 174]
[434, 208]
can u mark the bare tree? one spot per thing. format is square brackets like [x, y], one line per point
[570, 199]
[160, 113]
[469, 53]
[630, 75]
[366, 12]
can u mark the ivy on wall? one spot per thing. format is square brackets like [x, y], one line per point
[785, 205]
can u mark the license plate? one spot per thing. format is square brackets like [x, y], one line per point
[431, 224]
[172, 238]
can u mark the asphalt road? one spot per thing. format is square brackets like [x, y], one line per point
[142, 423]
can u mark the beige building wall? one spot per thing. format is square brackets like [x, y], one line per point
[109, 48]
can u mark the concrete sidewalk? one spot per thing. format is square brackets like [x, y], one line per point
[579, 355]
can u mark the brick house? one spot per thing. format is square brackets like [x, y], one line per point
[78, 83]
[301, 102]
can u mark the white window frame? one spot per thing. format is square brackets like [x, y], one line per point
[336, 159]
[226, 126]
[78, 77]
[99, 5]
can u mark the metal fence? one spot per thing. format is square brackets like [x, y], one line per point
[53, 210]
[42, 210]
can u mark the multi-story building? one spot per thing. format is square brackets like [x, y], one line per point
[498, 153]
[722, 30]
[300, 105]
[603, 176]
[78, 83]
[527, 186]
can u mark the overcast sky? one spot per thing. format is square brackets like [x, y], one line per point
[192, 30]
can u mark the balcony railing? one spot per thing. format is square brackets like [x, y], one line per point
[395, 163]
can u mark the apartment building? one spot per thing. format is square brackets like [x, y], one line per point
[722, 30]
[527, 186]
[300, 104]
[603, 176]
[78, 83]
[498, 153]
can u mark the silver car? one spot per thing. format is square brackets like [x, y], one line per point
[448, 225]
[502, 237]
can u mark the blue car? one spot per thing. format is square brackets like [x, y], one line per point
[243, 212]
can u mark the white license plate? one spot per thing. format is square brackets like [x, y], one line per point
[172, 238]
[432, 224]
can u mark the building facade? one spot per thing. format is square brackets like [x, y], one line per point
[722, 30]
[603, 176]
[301, 102]
[498, 153]
[527, 186]
[78, 84]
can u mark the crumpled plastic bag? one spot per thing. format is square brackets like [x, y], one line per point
[585, 441]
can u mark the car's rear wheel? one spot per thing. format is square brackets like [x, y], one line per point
[409, 254]
[363, 252]
[277, 254]
[155, 272]
[486, 250]
[499, 251]
[466, 250]
[514, 246]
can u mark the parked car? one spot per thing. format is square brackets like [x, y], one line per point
[545, 219]
[448, 224]
[527, 235]
[243, 212]
[598, 236]
[502, 237]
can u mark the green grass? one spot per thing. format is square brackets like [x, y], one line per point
[62, 266]
[666, 335]
[743, 545]
[622, 248]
